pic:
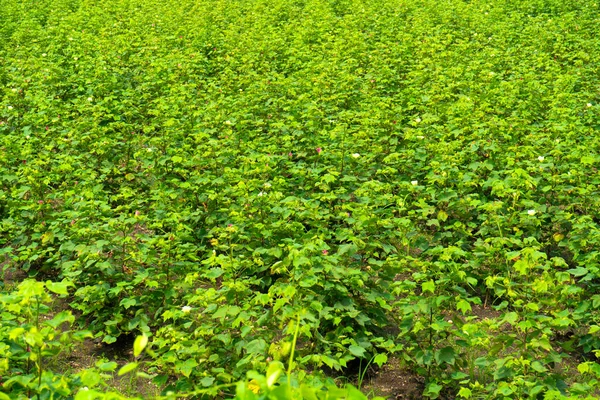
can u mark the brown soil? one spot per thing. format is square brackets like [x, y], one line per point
[394, 381]
[87, 354]
[483, 312]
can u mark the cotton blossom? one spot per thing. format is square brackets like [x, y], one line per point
[531, 212]
[325, 252]
[90, 99]
[541, 158]
[186, 309]
[10, 107]
[589, 104]
[319, 150]
[417, 119]
[414, 183]
[355, 155]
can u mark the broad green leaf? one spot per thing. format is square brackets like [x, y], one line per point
[207, 381]
[107, 366]
[428, 286]
[357, 350]
[139, 344]
[538, 367]
[380, 359]
[127, 368]
[463, 306]
[59, 287]
[445, 355]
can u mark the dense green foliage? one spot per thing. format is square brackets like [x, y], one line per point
[372, 176]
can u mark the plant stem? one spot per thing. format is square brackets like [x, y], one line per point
[291, 362]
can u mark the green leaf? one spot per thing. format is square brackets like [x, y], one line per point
[108, 339]
[257, 346]
[428, 286]
[380, 359]
[433, 390]
[207, 381]
[128, 302]
[445, 355]
[587, 160]
[357, 350]
[538, 367]
[127, 368]
[463, 306]
[107, 366]
[273, 372]
[61, 318]
[139, 345]
[579, 271]
[59, 287]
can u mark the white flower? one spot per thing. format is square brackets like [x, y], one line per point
[15, 89]
[418, 120]
[10, 107]
[149, 150]
[541, 158]
[414, 183]
[43, 54]
[531, 212]
[186, 309]
[27, 137]
[261, 194]
[420, 137]
[267, 185]
[355, 155]
[90, 99]
[589, 104]
[228, 122]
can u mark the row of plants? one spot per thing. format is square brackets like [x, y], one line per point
[328, 182]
